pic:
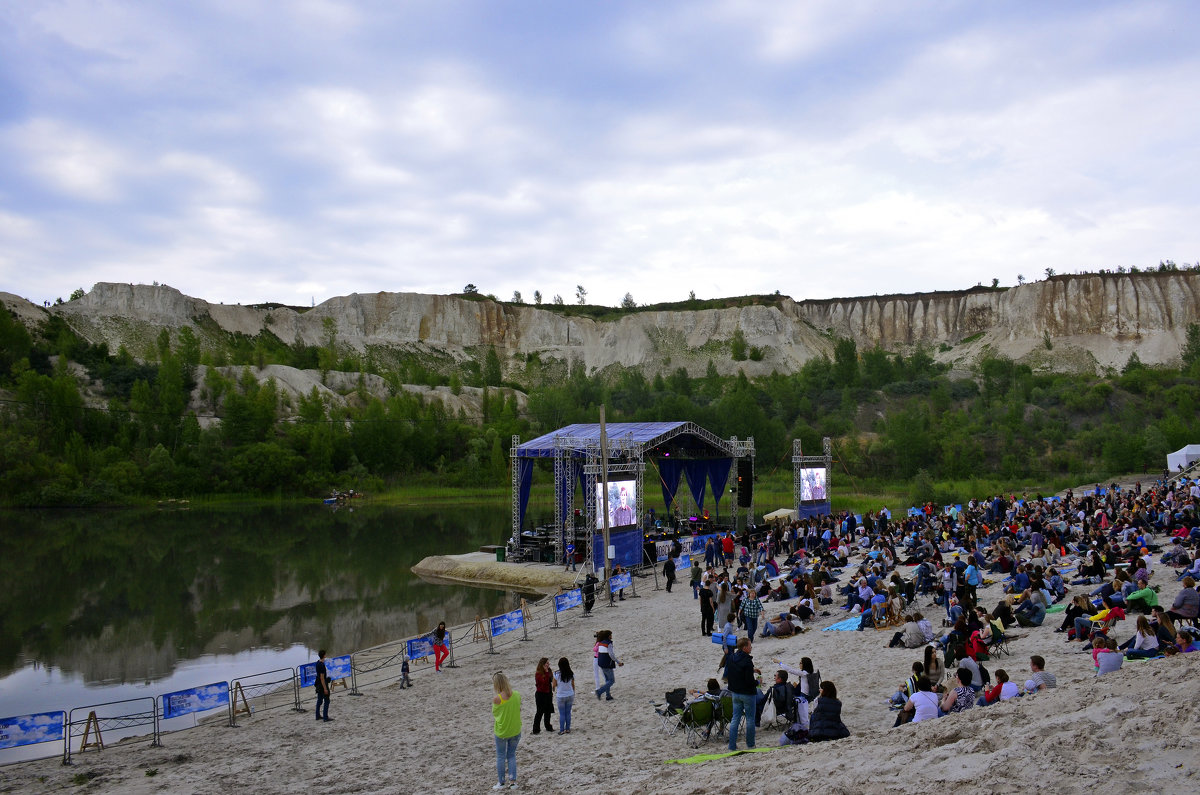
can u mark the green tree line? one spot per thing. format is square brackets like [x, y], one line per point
[893, 417]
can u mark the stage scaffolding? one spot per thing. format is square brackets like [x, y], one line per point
[578, 452]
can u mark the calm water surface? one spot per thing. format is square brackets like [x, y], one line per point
[101, 606]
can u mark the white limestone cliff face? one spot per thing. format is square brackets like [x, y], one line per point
[1064, 323]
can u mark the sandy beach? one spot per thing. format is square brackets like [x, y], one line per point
[1133, 730]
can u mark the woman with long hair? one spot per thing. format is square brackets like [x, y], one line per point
[543, 695]
[1145, 641]
[564, 691]
[440, 650]
[506, 720]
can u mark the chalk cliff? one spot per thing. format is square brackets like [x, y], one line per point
[1064, 323]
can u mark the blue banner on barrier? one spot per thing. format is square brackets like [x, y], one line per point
[565, 601]
[619, 581]
[508, 622]
[42, 727]
[691, 545]
[198, 699]
[336, 668]
[423, 646]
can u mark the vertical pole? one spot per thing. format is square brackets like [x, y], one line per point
[296, 690]
[157, 731]
[353, 678]
[604, 496]
[450, 647]
[67, 738]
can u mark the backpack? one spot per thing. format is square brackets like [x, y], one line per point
[984, 676]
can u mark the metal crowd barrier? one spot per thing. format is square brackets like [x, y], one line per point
[246, 695]
[280, 688]
[117, 724]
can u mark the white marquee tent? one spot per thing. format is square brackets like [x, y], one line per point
[1183, 458]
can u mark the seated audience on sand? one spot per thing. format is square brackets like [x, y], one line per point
[1106, 656]
[1144, 643]
[1163, 626]
[1032, 610]
[910, 636]
[1080, 606]
[1041, 679]
[825, 722]
[926, 627]
[922, 704]
[935, 668]
[1187, 601]
[1002, 690]
[962, 696]
[781, 627]
[909, 686]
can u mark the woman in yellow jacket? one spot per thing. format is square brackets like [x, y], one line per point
[506, 715]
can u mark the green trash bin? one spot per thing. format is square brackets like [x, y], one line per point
[500, 554]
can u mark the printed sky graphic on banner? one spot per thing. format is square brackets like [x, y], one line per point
[42, 727]
[198, 699]
[619, 581]
[419, 647]
[336, 667]
[565, 601]
[507, 622]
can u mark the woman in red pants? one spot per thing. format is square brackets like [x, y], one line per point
[440, 651]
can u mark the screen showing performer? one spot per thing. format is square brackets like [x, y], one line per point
[622, 499]
[812, 484]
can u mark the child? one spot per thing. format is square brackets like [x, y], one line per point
[404, 680]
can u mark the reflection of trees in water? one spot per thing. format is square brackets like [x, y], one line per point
[180, 584]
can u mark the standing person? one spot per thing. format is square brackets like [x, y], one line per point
[743, 685]
[569, 557]
[669, 573]
[322, 685]
[440, 650]
[589, 592]
[404, 680]
[564, 691]
[708, 610]
[543, 696]
[606, 659]
[751, 609]
[506, 722]
[697, 573]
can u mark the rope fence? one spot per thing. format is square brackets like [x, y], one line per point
[92, 727]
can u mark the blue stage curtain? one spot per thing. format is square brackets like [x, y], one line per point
[718, 476]
[696, 473]
[524, 482]
[669, 471]
[812, 510]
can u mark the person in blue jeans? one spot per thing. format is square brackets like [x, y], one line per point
[564, 692]
[321, 682]
[606, 659]
[751, 609]
[743, 686]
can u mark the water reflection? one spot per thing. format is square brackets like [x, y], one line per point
[128, 598]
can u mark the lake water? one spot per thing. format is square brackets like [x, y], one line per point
[102, 606]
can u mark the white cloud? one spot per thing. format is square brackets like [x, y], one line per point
[71, 160]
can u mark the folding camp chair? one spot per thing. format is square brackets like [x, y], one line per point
[698, 720]
[879, 615]
[671, 712]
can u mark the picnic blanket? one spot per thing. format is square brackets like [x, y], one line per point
[844, 626]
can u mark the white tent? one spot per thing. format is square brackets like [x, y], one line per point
[782, 513]
[1183, 458]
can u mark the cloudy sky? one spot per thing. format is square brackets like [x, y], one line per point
[247, 151]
